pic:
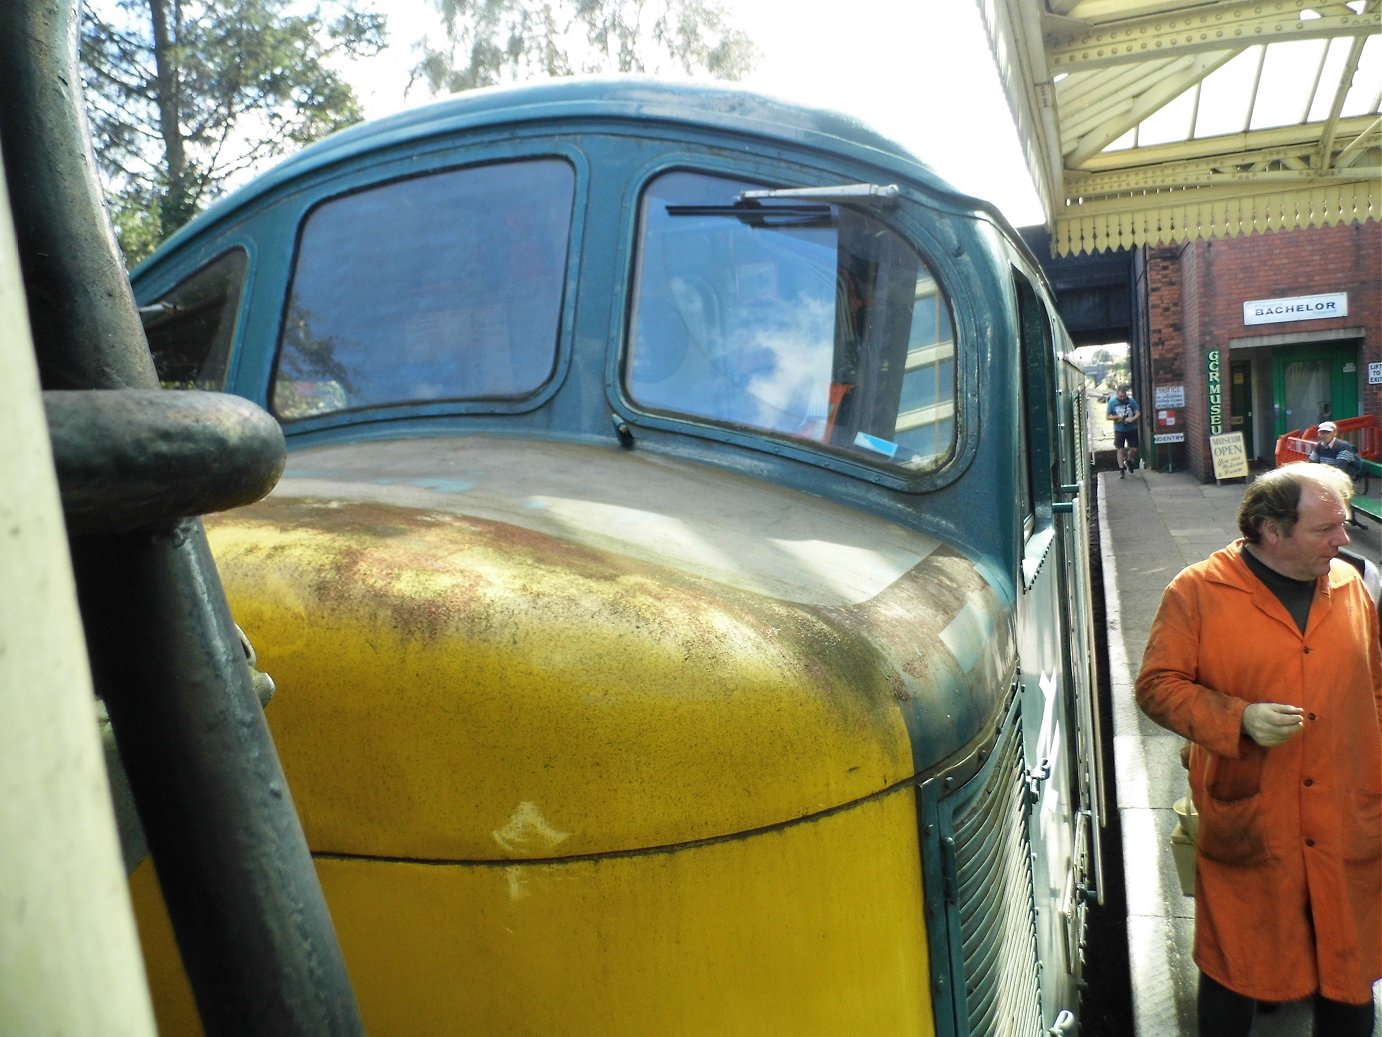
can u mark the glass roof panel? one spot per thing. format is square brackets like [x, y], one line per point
[1128, 140]
[1284, 84]
[1334, 64]
[1365, 96]
[1288, 80]
[1226, 94]
[1171, 122]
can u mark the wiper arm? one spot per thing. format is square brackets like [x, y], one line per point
[885, 194]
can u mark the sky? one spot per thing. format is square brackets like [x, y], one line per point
[917, 70]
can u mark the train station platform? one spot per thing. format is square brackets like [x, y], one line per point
[1152, 524]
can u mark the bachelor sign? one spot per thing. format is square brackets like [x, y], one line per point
[1300, 307]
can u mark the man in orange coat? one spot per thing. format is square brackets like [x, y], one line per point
[1265, 656]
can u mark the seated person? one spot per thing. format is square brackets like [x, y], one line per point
[1338, 453]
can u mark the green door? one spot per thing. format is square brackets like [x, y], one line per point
[1314, 383]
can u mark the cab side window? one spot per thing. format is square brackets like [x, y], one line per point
[190, 330]
[1041, 475]
[441, 287]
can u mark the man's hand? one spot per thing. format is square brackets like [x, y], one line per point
[1272, 723]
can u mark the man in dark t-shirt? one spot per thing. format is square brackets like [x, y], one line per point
[1124, 412]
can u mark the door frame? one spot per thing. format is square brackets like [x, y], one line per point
[1240, 403]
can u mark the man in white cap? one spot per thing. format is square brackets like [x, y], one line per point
[1338, 453]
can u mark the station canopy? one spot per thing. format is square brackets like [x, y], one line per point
[1155, 122]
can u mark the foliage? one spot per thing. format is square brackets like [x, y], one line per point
[1119, 371]
[488, 42]
[184, 96]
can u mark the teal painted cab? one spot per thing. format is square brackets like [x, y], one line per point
[678, 592]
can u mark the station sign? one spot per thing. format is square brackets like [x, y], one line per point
[1296, 307]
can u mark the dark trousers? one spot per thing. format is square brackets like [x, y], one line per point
[1223, 1013]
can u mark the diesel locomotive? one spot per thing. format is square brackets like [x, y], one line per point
[678, 593]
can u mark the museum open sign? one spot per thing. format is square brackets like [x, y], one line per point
[1299, 307]
[1229, 455]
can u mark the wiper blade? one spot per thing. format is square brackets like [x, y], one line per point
[759, 215]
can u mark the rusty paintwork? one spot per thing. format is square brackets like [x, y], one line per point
[670, 688]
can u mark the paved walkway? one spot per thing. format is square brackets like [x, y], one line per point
[1152, 525]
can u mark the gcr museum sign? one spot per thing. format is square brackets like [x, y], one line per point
[1300, 307]
[1214, 380]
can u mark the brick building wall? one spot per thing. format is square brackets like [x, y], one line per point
[1195, 296]
[1165, 333]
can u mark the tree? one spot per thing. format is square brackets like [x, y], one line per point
[495, 41]
[184, 96]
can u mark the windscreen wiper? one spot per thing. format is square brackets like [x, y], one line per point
[752, 212]
[881, 194]
[813, 204]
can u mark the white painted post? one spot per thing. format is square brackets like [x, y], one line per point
[69, 953]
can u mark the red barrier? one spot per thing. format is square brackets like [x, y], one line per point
[1364, 433]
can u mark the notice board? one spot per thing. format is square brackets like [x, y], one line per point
[1230, 457]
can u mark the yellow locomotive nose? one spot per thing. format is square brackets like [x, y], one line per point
[696, 756]
[430, 712]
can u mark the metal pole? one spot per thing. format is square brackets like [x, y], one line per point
[241, 889]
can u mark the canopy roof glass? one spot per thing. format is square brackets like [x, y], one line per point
[1159, 121]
